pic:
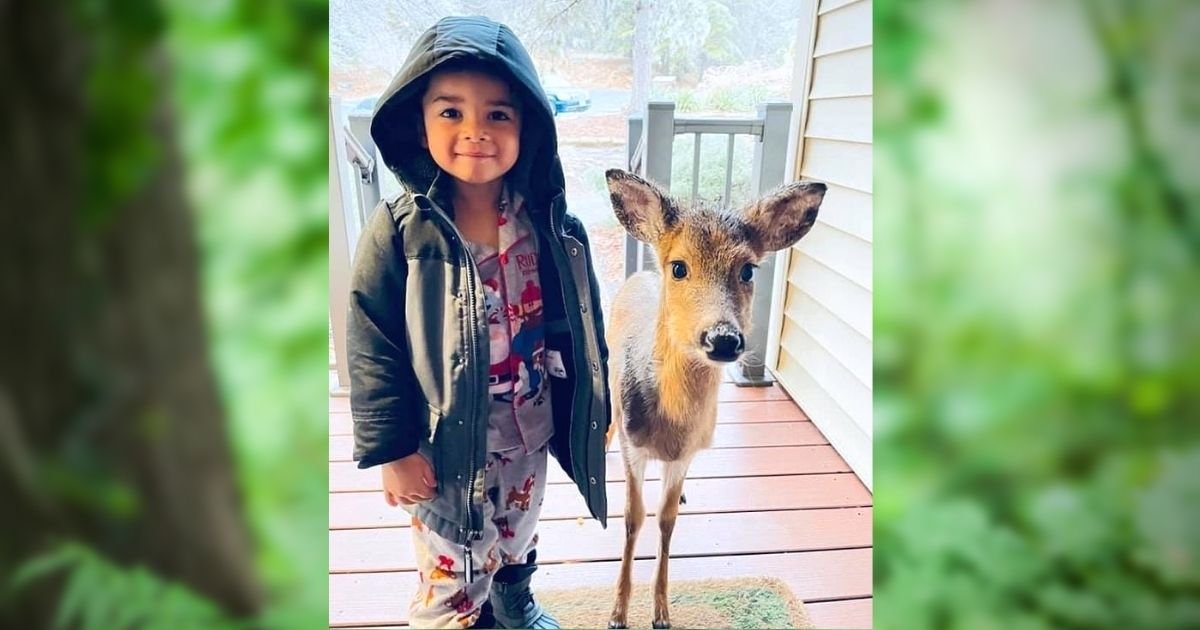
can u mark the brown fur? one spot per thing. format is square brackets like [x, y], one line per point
[663, 377]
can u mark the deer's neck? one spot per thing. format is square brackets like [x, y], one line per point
[686, 385]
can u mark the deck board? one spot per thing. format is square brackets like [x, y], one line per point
[732, 412]
[848, 613]
[390, 549]
[729, 462]
[356, 510]
[724, 436]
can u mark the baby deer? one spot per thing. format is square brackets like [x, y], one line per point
[671, 333]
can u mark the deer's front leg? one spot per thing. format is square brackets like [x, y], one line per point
[635, 515]
[673, 476]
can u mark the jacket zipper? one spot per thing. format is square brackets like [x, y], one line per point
[471, 357]
[469, 533]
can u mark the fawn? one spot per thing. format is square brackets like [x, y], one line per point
[671, 333]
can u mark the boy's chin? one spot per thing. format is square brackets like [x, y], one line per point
[476, 177]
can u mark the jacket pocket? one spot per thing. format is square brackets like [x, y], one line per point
[435, 418]
[429, 448]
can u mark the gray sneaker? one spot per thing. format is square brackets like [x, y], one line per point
[514, 607]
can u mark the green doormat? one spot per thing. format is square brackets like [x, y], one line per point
[719, 603]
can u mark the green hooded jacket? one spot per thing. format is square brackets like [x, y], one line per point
[417, 332]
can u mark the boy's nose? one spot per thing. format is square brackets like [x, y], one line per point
[475, 133]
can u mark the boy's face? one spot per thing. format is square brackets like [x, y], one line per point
[472, 126]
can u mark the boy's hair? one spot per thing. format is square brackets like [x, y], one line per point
[467, 64]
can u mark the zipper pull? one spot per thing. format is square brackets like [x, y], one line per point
[469, 562]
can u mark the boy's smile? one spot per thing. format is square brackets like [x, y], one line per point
[472, 126]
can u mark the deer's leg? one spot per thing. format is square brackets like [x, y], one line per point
[635, 515]
[673, 476]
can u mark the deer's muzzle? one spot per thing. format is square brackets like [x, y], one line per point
[723, 342]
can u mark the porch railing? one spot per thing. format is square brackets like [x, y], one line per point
[651, 153]
[353, 194]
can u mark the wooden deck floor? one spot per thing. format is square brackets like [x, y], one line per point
[770, 498]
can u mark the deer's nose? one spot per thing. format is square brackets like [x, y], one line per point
[722, 343]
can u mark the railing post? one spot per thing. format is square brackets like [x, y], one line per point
[632, 245]
[339, 242]
[770, 161]
[660, 142]
[365, 159]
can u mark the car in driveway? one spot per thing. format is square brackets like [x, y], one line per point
[565, 97]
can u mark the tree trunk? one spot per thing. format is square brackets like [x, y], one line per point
[643, 55]
[111, 426]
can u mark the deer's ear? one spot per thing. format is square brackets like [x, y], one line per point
[785, 215]
[642, 207]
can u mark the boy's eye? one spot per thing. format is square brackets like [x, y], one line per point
[450, 113]
[499, 115]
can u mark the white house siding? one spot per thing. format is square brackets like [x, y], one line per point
[824, 359]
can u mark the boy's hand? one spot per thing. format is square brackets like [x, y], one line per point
[408, 480]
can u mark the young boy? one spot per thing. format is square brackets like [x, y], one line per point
[475, 335]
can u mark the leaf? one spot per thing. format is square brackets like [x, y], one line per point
[43, 565]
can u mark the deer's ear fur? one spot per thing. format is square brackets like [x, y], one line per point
[785, 215]
[642, 207]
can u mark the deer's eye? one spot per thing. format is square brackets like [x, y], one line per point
[747, 273]
[678, 270]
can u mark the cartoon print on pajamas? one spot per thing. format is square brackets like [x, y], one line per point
[520, 497]
[514, 492]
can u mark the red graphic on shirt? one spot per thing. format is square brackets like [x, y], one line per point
[528, 344]
[527, 263]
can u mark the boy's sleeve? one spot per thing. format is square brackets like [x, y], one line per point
[597, 315]
[384, 398]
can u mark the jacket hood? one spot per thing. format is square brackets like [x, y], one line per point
[395, 126]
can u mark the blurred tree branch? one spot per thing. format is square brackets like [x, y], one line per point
[1124, 34]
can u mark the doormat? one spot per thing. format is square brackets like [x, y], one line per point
[752, 602]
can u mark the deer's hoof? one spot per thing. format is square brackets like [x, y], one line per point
[616, 625]
[661, 625]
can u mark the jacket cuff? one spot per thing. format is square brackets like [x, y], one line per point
[382, 440]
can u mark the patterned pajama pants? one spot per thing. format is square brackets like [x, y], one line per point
[516, 485]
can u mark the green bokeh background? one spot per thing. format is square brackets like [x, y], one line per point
[1037, 337]
[251, 83]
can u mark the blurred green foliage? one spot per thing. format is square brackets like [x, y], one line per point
[251, 82]
[1037, 344]
[118, 159]
[99, 595]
